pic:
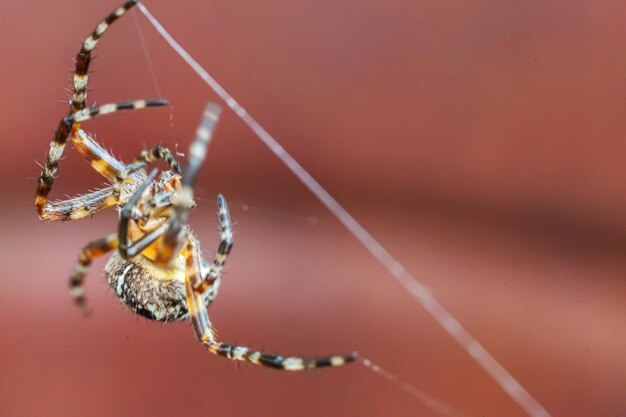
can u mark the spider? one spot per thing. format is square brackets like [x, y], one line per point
[156, 267]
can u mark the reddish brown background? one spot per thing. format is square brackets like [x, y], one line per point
[482, 142]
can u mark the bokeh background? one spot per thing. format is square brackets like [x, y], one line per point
[483, 143]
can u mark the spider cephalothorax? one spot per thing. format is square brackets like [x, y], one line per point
[156, 267]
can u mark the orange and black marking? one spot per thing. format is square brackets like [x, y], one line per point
[93, 250]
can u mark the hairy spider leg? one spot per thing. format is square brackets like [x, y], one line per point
[195, 262]
[69, 125]
[205, 333]
[79, 207]
[91, 251]
[161, 153]
[83, 57]
[100, 159]
[223, 250]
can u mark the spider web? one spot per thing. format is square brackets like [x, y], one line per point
[408, 282]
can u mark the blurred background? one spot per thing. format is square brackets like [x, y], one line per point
[483, 143]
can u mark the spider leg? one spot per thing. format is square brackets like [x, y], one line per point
[91, 251]
[91, 112]
[80, 206]
[70, 124]
[161, 153]
[83, 57]
[173, 239]
[205, 333]
[100, 160]
[224, 248]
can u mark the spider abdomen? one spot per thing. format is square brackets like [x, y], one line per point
[152, 292]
